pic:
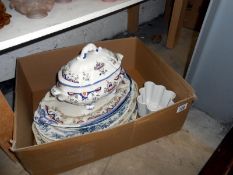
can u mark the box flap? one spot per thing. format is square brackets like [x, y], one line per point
[6, 125]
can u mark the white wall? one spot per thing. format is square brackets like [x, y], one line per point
[97, 30]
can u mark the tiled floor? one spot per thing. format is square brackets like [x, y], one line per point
[183, 152]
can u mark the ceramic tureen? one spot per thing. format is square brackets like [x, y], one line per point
[95, 73]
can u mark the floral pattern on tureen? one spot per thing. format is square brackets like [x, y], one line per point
[93, 74]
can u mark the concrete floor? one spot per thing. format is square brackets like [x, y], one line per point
[183, 152]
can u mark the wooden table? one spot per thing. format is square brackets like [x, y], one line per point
[174, 15]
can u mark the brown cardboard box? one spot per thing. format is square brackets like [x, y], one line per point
[36, 74]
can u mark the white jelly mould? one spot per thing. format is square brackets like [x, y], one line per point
[153, 98]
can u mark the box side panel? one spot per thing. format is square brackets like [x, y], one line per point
[153, 68]
[23, 110]
[6, 126]
[37, 97]
[41, 69]
[70, 153]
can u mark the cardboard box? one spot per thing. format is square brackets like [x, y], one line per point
[36, 74]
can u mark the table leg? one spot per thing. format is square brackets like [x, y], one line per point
[133, 18]
[176, 22]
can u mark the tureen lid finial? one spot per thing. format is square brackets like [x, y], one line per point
[88, 48]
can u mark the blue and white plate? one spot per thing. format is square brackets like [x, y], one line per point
[62, 114]
[123, 113]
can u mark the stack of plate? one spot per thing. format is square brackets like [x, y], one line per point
[67, 110]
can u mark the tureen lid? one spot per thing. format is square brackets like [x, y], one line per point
[94, 64]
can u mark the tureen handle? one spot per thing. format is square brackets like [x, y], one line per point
[89, 47]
